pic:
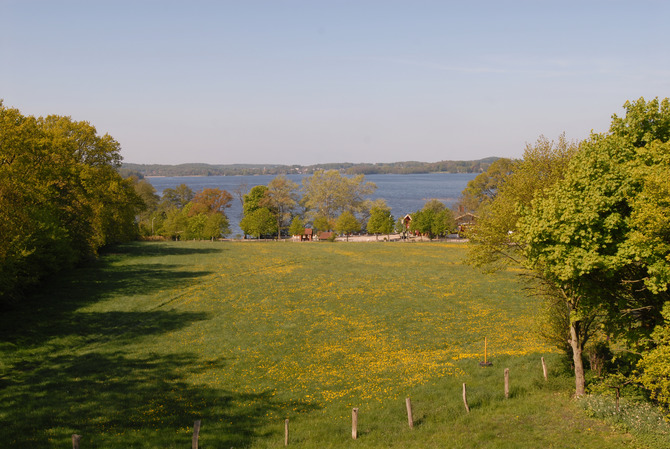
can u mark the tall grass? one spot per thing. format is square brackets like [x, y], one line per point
[129, 351]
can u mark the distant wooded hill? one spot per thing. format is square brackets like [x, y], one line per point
[407, 167]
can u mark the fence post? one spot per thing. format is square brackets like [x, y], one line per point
[465, 399]
[410, 419]
[286, 432]
[506, 383]
[196, 434]
[354, 423]
[544, 368]
[75, 441]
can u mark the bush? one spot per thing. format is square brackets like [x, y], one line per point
[654, 366]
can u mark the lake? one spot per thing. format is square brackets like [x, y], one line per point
[403, 193]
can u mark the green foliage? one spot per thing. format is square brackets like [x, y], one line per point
[655, 365]
[261, 222]
[590, 237]
[587, 237]
[381, 221]
[281, 198]
[322, 223]
[433, 220]
[496, 234]
[327, 194]
[347, 224]
[211, 200]
[634, 417]
[297, 226]
[484, 188]
[254, 199]
[178, 197]
[61, 197]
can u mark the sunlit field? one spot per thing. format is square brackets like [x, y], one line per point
[129, 351]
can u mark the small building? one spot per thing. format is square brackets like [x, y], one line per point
[323, 235]
[465, 222]
[407, 220]
[307, 235]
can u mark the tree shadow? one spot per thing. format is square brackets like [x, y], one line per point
[65, 369]
[53, 310]
[114, 400]
[154, 249]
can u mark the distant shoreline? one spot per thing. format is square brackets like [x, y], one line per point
[398, 168]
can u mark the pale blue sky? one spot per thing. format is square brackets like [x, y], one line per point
[302, 82]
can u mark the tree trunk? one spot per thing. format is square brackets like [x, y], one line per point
[577, 346]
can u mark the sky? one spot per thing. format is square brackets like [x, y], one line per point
[307, 82]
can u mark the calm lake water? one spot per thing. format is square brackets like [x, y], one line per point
[403, 193]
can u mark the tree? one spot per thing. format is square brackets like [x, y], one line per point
[587, 238]
[175, 224]
[498, 241]
[259, 223]
[216, 226]
[297, 226]
[178, 197]
[381, 221]
[347, 223]
[211, 200]
[321, 223]
[496, 237]
[254, 199]
[655, 372]
[147, 192]
[149, 211]
[484, 188]
[281, 198]
[327, 194]
[433, 220]
[61, 197]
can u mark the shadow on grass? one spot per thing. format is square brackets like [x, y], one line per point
[153, 249]
[118, 401]
[65, 370]
[52, 311]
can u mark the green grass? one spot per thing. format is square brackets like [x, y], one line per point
[130, 350]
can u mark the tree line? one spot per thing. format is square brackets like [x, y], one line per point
[326, 201]
[61, 197]
[589, 223]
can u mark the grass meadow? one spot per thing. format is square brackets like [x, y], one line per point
[130, 350]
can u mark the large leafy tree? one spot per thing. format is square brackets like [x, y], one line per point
[381, 221]
[497, 238]
[253, 222]
[259, 223]
[326, 194]
[588, 237]
[297, 226]
[211, 200]
[281, 197]
[484, 188]
[61, 197]
[433, 220]
[178, 197]
[346, 224]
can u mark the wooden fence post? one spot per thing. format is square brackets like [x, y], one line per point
[75, 441]
[465, 399]
[286, 432]
[544, 368]
[410, 419]
[196, 434]
[506, 383]
[354, 423]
